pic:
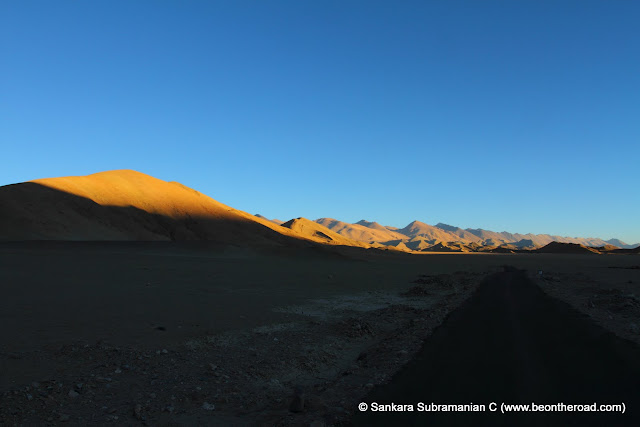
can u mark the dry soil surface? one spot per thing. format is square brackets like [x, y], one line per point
[185, 334]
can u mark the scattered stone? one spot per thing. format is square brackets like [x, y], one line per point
[634, 328]
[73, 394]
[164, 351]
[29, 397]
[208, 406]
[137, 411]
[118, 371]
[64, 418]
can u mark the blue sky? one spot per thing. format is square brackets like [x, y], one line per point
[505, 115]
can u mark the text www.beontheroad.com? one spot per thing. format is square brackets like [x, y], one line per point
[561, 407]
[492, 407]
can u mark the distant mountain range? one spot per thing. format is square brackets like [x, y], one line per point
[417, 235]
[129, 205]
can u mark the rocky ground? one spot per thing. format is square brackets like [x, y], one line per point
[615, 306]
[312, 370]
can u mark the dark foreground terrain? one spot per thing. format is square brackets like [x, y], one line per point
[510, 343]
[167, 333]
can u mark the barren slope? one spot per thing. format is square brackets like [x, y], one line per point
[128, 205]
[420, 229]
[313, 230]
[359, 232]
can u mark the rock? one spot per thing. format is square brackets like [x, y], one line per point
[208, 406]
[634, 328]
[64, 418]
[164, 351]
[297, 403]
[317, 423]
[73, 394]
[29, 397]
[137, 411]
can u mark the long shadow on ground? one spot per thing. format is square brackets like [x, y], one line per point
[512, 343]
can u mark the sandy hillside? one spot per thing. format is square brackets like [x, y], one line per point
[375, 225]
[129, 205]
[360, 232]
[420, 229]
[317, 232]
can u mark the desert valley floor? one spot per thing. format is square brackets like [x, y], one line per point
[169, 333]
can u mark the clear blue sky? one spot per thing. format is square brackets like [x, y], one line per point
[505, 115]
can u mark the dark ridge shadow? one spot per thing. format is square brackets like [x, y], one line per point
[322, 235]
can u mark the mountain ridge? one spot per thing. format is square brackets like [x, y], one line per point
[129, 205]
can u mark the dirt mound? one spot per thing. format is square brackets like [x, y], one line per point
[443, 247]
[566, 248]
[606, 248]
[504, 249]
